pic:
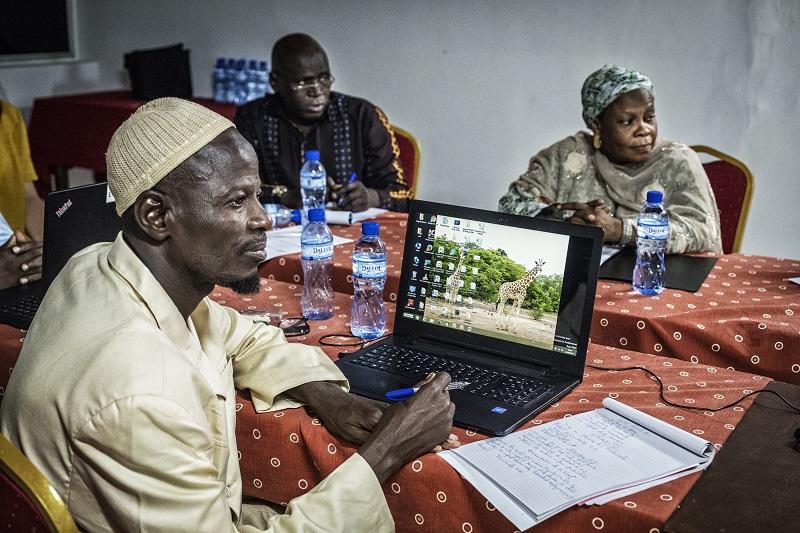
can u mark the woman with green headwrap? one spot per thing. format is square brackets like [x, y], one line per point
[602, 178]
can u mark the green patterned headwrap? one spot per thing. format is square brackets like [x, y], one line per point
[603, 86]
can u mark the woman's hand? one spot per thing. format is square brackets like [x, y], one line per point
[595, 213]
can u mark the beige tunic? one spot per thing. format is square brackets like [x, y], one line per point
[129, 409]
[573, 171]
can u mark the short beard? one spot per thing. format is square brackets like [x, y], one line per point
[248, 285]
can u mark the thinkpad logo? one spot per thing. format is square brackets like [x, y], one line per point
[63, 209]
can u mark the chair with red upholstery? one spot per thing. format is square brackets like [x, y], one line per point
[409, 157]
[732, 184]
[27, 500]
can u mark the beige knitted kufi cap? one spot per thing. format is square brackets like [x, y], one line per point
[158, 137]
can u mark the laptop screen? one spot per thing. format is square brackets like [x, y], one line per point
[520, 286]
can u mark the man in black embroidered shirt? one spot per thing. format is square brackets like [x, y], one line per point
[354, 138]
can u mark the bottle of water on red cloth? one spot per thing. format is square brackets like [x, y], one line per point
[652, 235]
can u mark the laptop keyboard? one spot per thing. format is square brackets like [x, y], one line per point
[508, 388]
[24, 308]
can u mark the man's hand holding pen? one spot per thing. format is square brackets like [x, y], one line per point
[353, 195]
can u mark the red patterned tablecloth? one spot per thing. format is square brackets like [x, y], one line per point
[285, 454]
[393, 232]
[746, 316]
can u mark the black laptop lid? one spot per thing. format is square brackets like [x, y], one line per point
[74, 219]
[554, 264]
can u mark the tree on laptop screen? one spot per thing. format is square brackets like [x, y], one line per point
[490, 279]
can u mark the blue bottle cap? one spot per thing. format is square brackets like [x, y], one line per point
[316, 214]
[312, 155]
[654, 197]
[297, 216]
[370, 228]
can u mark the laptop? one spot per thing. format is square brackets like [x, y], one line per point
[502, 302]
[73, 219]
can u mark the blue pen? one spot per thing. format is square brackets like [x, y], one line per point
[352, 179]
[402, 394]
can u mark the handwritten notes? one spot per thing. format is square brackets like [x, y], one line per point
[535, 473]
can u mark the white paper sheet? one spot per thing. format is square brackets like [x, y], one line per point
[609, 252]
[345, 218]
[592, 457]
[286, 241]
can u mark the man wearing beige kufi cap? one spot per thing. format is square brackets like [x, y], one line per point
[123, 394]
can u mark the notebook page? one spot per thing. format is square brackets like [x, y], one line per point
[674, 434]
[566, 461]
[614, 494]
[509, 506]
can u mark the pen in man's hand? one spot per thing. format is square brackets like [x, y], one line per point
[352, 179]
[402, 394]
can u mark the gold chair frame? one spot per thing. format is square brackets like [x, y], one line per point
[33, 483]
[418, 154]
[748, 194]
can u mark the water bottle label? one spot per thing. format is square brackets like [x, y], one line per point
[316, 251]
[369, 269]
[312, 182]
[653, 231]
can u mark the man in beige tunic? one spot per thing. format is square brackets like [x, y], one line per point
[124, 392]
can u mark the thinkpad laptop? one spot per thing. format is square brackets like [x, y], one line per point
[502, 302]
[73, 219]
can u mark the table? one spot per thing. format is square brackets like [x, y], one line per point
[75, 130]
[746, 316]
[285, 454]
[393, 232]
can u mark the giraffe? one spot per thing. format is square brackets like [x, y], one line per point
[514, 291]
[452, 284]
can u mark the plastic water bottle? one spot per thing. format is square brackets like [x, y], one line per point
[368, 319]
[262, 85]
[281, 215]
[230, 80]
[240, 77]
[220, 81]
[316, 255]
[313, 182]
[652, 234]
[252, 80]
